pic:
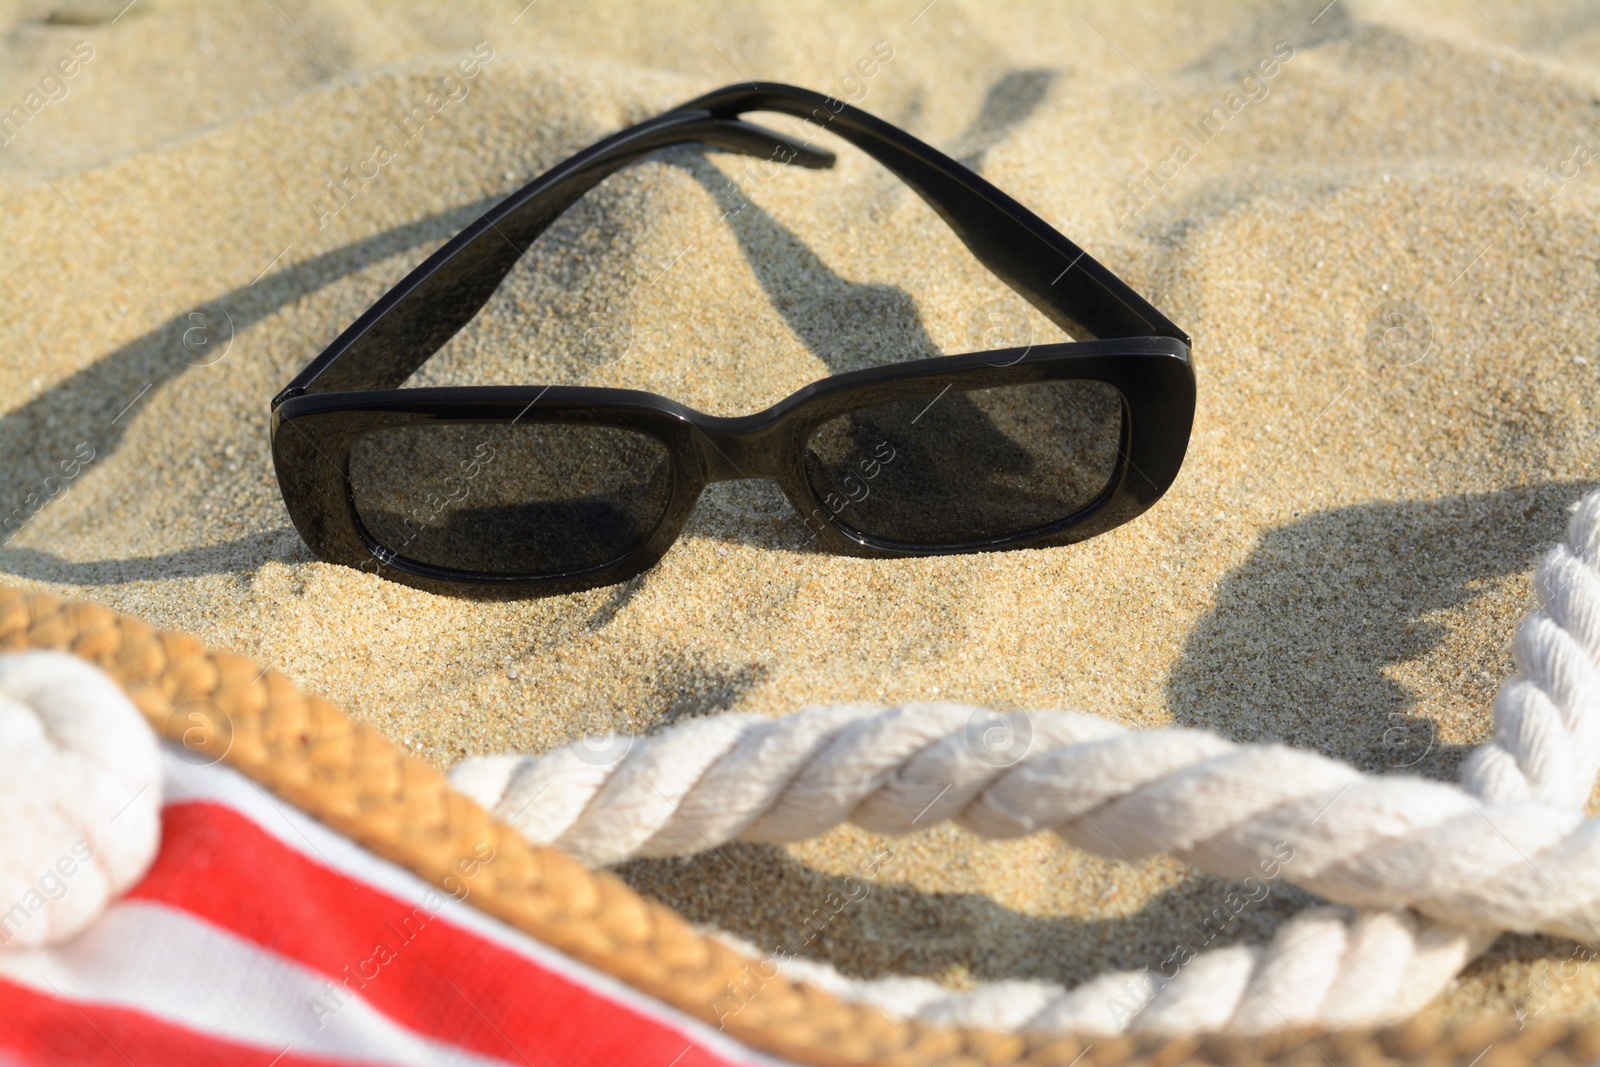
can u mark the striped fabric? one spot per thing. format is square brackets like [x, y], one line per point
[261, 937]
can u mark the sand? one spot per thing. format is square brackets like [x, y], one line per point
[1340, 565]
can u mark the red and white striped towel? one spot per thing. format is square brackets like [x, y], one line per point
[261, 937]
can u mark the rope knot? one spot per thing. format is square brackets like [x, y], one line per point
[80, 796]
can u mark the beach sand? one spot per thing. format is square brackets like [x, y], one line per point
[1340, 565]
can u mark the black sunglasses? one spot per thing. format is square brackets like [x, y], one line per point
[551, 489]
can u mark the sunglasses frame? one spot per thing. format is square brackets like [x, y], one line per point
[352, 388]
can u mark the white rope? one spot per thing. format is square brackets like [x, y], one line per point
[1429, 872]
[80, 796]
[1358, 839]
[1327, 967]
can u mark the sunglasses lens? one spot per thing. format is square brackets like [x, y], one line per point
[965, 467]
[535, 499]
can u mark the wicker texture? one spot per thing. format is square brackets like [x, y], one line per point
[347, 774]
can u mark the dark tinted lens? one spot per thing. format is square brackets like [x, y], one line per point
[967, 466]
[528, 499]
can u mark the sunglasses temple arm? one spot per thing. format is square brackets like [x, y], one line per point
[416, 318]
[1064, 282]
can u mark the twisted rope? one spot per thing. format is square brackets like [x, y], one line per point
[1546, 743]
[1430, 872]
[1327, 968]
[1357, 839]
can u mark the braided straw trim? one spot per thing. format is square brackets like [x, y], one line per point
[347, 774]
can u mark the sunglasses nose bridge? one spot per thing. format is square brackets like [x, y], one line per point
[739, 448]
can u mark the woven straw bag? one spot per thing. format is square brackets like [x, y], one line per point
[347, 774]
